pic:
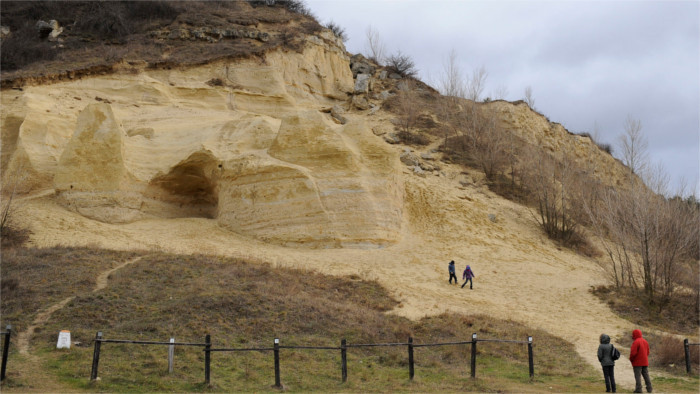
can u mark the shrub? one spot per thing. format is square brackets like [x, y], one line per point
[337, 30]
[669, 350]
[409, 138]
[104, 19]
[605, 147]
[24, 47]
[296, 6]
[151, 10]
[402, 64]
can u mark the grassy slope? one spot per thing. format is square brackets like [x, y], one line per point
[245, 305]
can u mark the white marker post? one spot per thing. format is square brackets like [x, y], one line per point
[171, 355]
[63, 340]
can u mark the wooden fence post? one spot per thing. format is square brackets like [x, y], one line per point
[473, 363]
[171, 355]
[96, 356]
[278, 383]
[344, 359]
[685, 345]
[410, 358]
[207, 359]
[6, 352]
[530, 360]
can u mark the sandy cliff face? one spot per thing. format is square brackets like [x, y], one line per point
[243, 142]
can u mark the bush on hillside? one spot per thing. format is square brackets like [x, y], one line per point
[402, 64]
[337, 30]
[24, 47]
[296, 6]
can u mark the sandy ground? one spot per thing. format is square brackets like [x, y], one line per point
[520, 274]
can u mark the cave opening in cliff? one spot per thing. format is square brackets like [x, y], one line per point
[189, 189]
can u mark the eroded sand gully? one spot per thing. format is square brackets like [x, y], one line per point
[520, 275]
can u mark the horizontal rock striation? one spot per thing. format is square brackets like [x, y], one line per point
[241, 142]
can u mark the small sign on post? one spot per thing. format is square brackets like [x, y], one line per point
[171, 355]
[63, 340]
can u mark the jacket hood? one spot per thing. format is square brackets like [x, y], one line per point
[636, 334]
[604, 338]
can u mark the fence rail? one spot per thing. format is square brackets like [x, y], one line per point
[343, 348]
[5, 350]
[150, 342]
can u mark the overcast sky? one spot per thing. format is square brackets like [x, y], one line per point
[588, 62]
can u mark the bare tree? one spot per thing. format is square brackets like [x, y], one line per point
[529, 98]
[374, 47]
[477, 83]
[554, 185]
[491, 148]
[452, 80]
[408, 107]
[633, 146]
[649, 239]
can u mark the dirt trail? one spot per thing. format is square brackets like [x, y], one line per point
[44, 316]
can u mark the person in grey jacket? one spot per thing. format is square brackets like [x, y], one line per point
[606, 361]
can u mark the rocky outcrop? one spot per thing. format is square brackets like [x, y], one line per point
[211, 34]
[91, 177]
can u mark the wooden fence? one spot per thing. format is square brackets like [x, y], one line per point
[5, 350]
[343, 348]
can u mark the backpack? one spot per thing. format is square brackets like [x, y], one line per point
[615, 353]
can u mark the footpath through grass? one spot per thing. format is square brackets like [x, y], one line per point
[248, 305]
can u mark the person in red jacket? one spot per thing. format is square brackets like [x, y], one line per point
[639, 356]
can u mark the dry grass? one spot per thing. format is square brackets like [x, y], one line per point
[35, 278]
[679, 316]
[90, 45]
[243, 305]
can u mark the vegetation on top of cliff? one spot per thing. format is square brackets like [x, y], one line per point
[91, 36]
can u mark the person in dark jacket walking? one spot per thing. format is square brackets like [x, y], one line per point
[451, 268]
[467, 276]
[605, 350]
[639, 356]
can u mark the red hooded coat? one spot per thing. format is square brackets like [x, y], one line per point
[639, 352]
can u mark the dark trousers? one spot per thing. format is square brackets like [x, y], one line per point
[452, 275]
[465, 283]
[638, 373]
[609, 374]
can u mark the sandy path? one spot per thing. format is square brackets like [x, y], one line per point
[520, 274]
[44, 316]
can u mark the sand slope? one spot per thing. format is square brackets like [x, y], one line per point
[520, 274]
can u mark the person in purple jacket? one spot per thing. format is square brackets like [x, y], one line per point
[467, 276]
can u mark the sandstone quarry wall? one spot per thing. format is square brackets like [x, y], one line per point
[240, 142]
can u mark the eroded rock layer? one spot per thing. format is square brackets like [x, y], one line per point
[241, 142]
